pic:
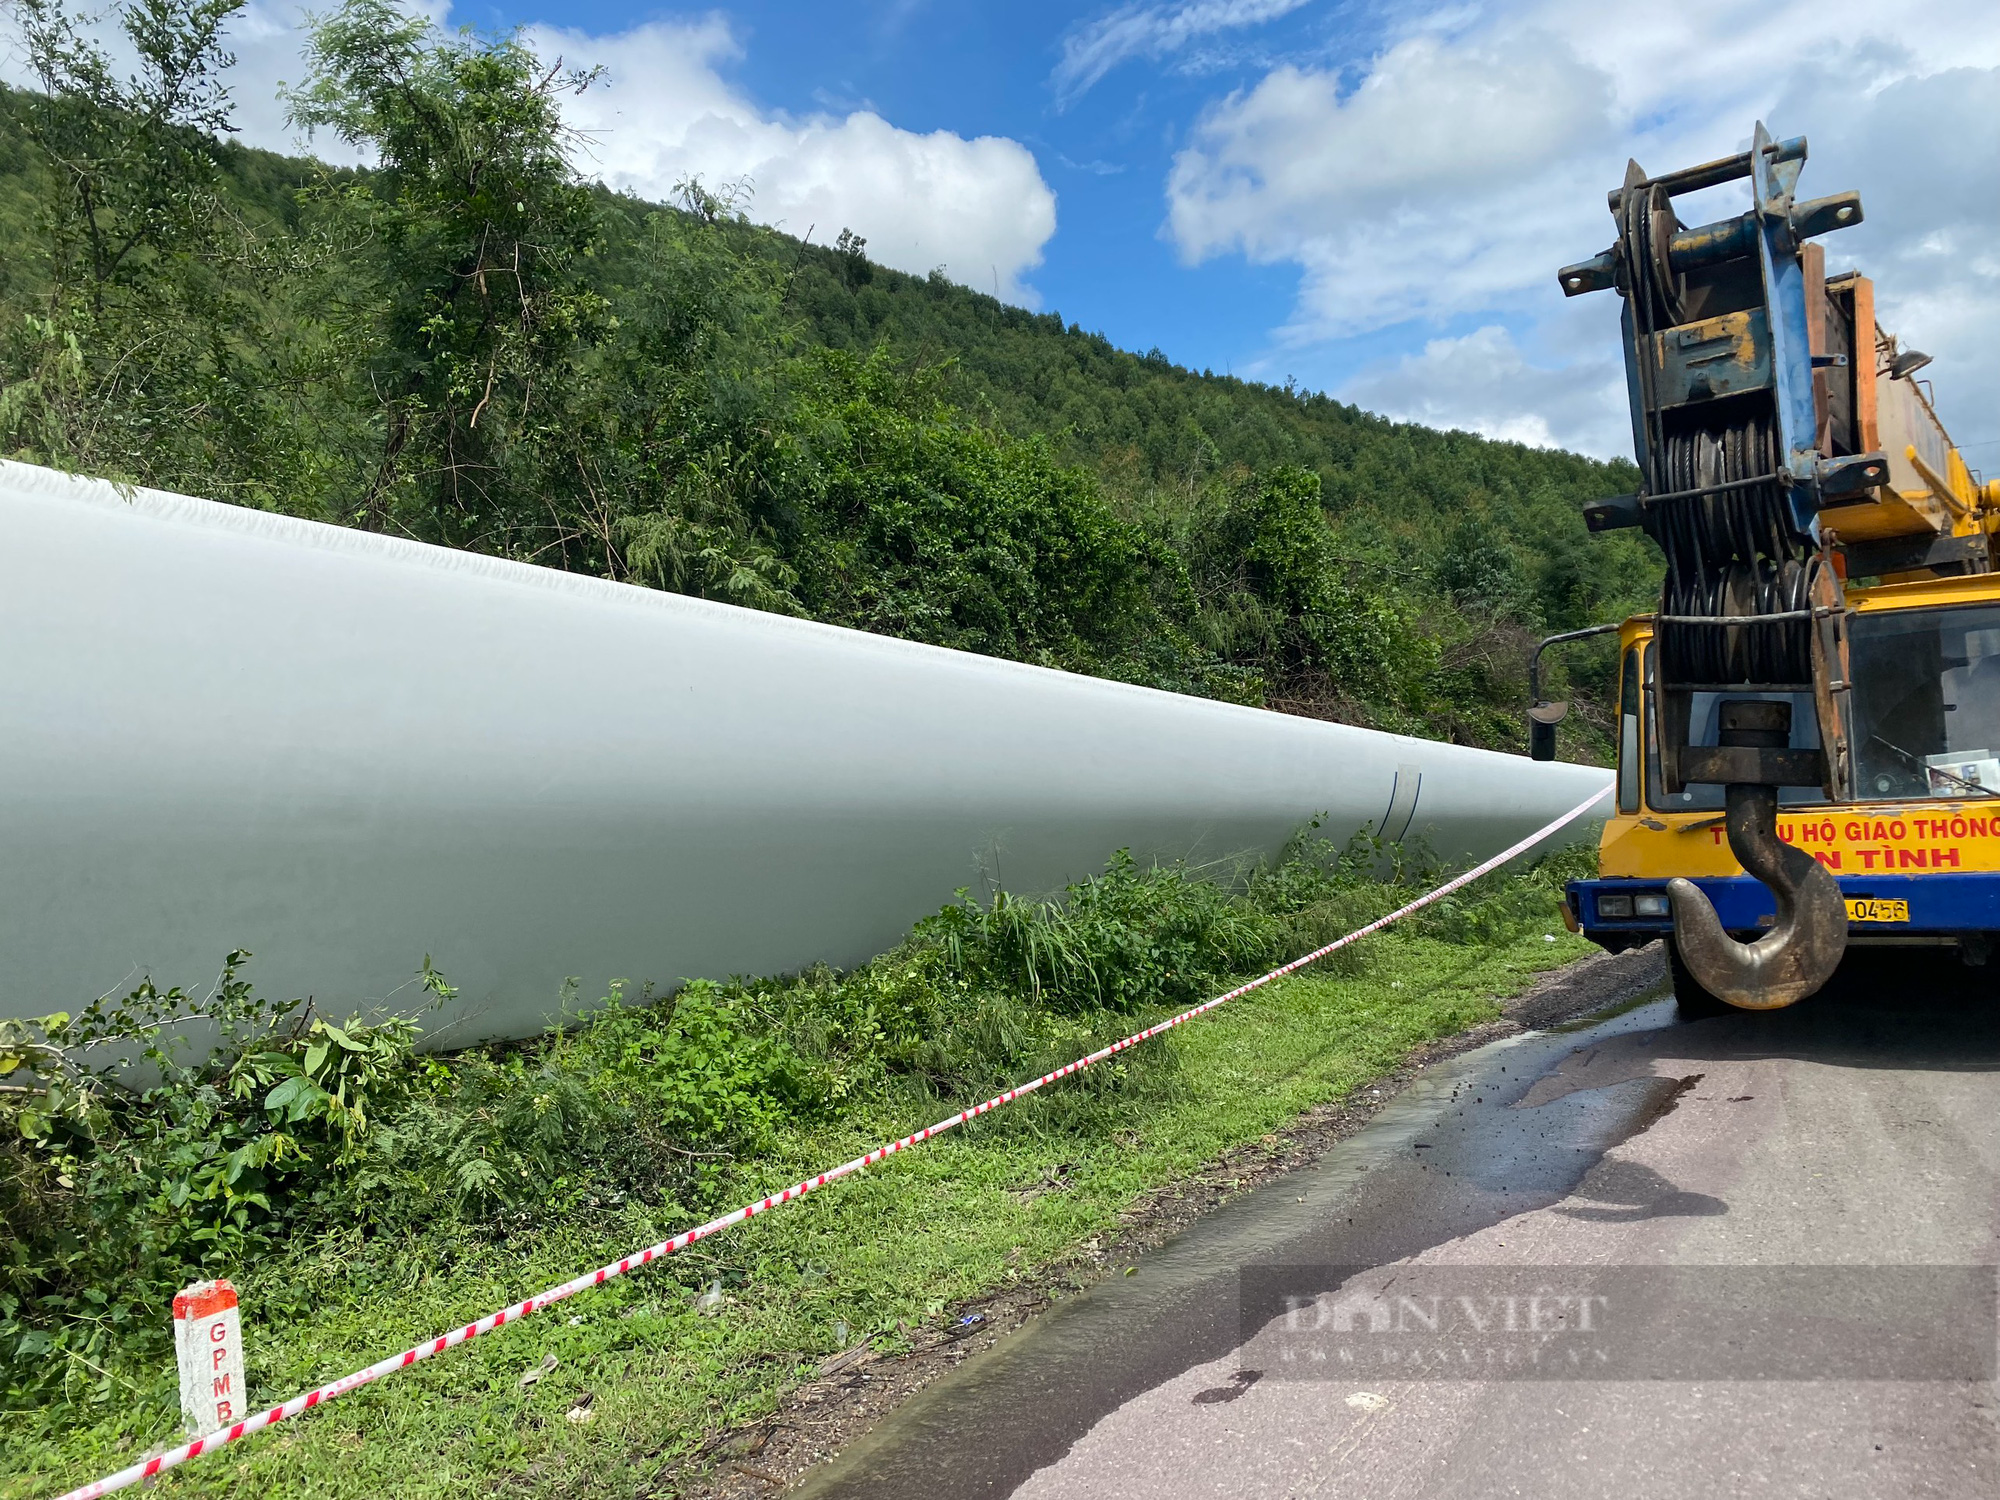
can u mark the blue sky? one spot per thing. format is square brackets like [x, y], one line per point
[1371, 196]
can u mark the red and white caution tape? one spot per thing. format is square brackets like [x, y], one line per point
[208, 1442]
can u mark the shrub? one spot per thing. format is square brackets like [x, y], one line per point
[114, 1196]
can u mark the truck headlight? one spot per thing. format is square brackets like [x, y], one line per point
[1651, 904]
[1614, 906]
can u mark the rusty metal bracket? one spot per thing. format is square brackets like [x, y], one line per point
[1733, 763]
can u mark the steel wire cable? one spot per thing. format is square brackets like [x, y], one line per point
[1731, 552]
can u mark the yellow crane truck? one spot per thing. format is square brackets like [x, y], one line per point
[1809, 724]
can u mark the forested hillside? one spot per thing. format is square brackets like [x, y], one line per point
[472, 344]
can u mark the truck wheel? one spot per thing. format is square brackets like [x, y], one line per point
[1691, 1000]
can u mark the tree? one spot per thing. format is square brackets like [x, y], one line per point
[132, 160]
[468, 235]
[116, 368]
[683, 439]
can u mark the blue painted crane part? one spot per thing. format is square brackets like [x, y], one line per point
[344, 751]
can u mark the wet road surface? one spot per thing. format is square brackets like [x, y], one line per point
[1860, 1129]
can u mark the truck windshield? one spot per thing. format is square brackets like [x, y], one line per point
[1927, 702]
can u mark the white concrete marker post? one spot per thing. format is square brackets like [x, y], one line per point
[208, 1343]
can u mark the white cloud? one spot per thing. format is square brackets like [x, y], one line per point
[1421, 192]
[1468, 159]
[1483, 383]
[1094, 48]
[663, 112]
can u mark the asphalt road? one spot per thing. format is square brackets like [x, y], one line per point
[1776, 1234]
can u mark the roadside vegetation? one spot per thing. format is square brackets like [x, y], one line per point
[364, 1194]
[472, 344]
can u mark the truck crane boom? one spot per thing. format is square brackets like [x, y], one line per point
[1787, 455]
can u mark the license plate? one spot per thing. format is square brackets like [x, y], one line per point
[1868, 909]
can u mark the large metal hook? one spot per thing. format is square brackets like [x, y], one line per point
[1804, 945]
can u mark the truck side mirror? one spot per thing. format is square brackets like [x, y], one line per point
[1542, 721]
[1542, 716]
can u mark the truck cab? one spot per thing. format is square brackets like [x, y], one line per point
[1917, 855]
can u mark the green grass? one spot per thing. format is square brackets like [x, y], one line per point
[903, 1241]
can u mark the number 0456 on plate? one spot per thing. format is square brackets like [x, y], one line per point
[1869, 909]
